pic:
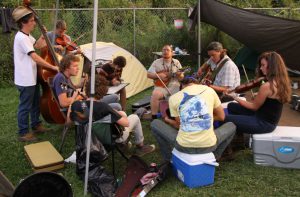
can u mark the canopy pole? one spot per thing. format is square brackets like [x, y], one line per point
[55, 21]
[91, 96]
[199, 35]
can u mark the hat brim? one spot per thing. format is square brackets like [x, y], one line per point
[20, 12]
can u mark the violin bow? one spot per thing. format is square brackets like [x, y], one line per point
[252, 94]
[76, 39]
[162, 82]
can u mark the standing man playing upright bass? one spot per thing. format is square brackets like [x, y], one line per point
[164, 71]
[25, 73]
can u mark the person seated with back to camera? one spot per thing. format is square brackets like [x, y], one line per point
[131, 123]
[193, 108]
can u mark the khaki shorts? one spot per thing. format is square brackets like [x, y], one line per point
[172, 86]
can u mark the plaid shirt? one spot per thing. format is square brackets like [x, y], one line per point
[229, 74]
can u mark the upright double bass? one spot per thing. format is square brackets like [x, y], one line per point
[49, 107]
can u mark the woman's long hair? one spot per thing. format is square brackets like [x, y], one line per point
[101, 87]
[277, 73]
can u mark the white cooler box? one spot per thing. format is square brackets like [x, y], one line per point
[281, 148]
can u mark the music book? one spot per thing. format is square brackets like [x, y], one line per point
[116, 89]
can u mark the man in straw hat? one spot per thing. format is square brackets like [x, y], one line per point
[26, 61]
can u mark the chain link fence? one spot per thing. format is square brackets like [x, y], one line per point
[141, 31]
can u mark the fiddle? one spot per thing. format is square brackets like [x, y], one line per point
[66, 42]
[249, 85]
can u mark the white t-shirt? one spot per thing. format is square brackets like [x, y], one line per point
[25, 67]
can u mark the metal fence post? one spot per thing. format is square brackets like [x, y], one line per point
[134, 36]
[199, 35]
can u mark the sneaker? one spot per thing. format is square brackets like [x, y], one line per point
[125, 147]
[147, 115]
[40, 129]
[140, 151]
[228, 155]
[140, 112]
[28, 137]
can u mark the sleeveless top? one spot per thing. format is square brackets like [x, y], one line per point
[270, 111]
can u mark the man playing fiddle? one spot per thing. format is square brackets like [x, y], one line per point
[225, 74]
[165, 69]
[26, 61]
[61, 40]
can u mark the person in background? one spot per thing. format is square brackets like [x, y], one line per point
[119, 63]
[60, 32]
[166, 69]
[108, 72]
[26, 61]
[262, 114]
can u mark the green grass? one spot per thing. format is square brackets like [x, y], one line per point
[238, 178]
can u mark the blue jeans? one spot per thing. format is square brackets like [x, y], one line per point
[113, 101]
[29, 104]
[246, 121]
[166, 138]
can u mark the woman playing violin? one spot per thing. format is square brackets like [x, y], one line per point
[263, 113]
[61, 41]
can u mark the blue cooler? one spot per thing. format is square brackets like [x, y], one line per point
[194, 170]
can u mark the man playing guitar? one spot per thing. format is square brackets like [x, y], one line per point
[166, 75]
[224, 73]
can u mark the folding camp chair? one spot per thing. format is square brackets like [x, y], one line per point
[106, 132]
[64, 113]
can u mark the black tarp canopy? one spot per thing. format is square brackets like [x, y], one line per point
[256, 31]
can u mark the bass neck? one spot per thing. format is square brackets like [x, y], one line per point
[44, 33]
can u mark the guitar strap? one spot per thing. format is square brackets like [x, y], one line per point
[172, 64]
[217, 70]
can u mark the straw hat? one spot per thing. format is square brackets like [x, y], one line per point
[20, 12]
